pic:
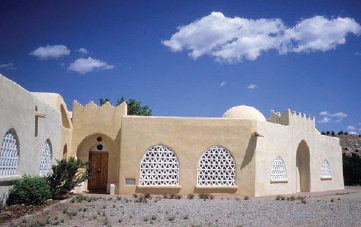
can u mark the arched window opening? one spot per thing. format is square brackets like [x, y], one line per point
[216, 167]
[279, 171]
[45, 161]
[159, 166]
[65, 151]
[9, 154]
[325, 169]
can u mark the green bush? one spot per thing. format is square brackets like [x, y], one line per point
[29, 191]
[66, 175]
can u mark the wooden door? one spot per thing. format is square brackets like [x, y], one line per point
[99, 174]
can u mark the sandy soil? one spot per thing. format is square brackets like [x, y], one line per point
[105, 210]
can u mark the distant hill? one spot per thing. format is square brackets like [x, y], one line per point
[350, 143]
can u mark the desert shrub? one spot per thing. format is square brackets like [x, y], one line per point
[203, 196]
[65, 175]
[172, 196]
[147, 196]
[29, 191]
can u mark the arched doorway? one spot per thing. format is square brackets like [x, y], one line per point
[303, 167]
[98, 157]
[103, 152]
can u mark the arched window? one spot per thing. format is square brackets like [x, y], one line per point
[9, 154]
[325, 169]
[279, 171]
[159, 166]
[216, 167]
[45, 161]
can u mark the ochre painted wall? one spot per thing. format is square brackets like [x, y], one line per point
[188, 138]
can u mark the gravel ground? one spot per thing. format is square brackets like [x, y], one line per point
[332, 210]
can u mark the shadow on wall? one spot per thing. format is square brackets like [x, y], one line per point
[248, 156]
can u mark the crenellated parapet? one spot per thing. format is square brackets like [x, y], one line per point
[293, 119]
[91, 119]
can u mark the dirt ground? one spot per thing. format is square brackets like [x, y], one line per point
[317, 209]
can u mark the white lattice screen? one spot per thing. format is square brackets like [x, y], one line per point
[278, 171]
[9, 155]
[159, 166]
[325, 169]
[216, 167]
[45, 161]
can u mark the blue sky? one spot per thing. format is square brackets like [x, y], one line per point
[191, 58]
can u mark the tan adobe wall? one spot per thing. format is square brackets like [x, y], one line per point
[188, 138]
[92, 121]
[57, 102]
[18, 108]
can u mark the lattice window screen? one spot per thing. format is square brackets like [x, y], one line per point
[216, 167]
[325, 169]
[278, 171]
[9, 155]
[45, 161]
[159, 166]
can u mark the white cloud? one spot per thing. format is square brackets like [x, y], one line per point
[324, 113]
[324, 120]
[235, 39]
[222, 84]
[339, 114]
[358, 53]
[8, 66]
[48, 52]
[353, 132]
[350, 128]
[252, 86]
[336, 117]
[85, 65]
[83, 51]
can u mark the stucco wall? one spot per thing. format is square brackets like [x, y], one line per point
[283, 141]
[17, 112]
[188, 138]
[57, 102]
[92, 121]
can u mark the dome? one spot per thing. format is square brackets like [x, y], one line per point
[244, 112]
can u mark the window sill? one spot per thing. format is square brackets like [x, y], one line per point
[158, 186]
[9, 178]
[326, 178]
[279, 181]
[216, 187]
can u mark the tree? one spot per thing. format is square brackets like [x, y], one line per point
[134, 107]
[351, 169]
[103, 101]
[340, 133]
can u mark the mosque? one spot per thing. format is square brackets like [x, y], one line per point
[240, 153]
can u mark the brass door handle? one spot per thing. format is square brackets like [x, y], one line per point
[98, 171]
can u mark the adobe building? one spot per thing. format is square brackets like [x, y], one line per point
[240, 153]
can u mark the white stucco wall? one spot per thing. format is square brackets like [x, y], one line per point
[283, 141]
[17, 112]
